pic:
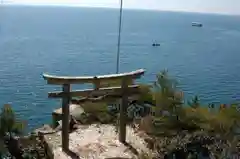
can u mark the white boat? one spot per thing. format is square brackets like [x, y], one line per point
[197, 24]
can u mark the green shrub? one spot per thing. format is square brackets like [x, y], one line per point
[194, 117]
[222, 121]
[194, 103]
[9, 125]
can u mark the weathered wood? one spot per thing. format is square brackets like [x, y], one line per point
[108, 100]
[115, 91]
[123, 111]
[51, 79]
[105, 98]
[65, 122]
[97, 94]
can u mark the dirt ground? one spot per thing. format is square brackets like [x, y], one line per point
[97, 142]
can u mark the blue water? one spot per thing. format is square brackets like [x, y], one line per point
[82, 41]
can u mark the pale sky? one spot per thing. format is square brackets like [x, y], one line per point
[212, 6]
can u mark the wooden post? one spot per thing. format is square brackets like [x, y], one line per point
[65, 119]
[123, 111]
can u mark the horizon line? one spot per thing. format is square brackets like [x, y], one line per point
[125, 8]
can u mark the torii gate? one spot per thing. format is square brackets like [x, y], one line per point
[97, 94]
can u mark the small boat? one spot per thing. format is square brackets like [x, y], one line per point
[197, 24]
[155, 44]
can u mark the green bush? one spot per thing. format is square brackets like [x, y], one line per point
[10, 127]
[194, 117]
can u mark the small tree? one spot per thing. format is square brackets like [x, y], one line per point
[167, 97]
[9, 125]
[9, 128]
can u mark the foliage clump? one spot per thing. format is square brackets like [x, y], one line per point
[12, 142]
[172, 117]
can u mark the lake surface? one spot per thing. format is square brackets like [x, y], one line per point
[83, 41]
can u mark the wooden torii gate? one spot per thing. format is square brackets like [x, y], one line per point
[97, 94]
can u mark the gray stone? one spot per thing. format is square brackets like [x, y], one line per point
[44, 129]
